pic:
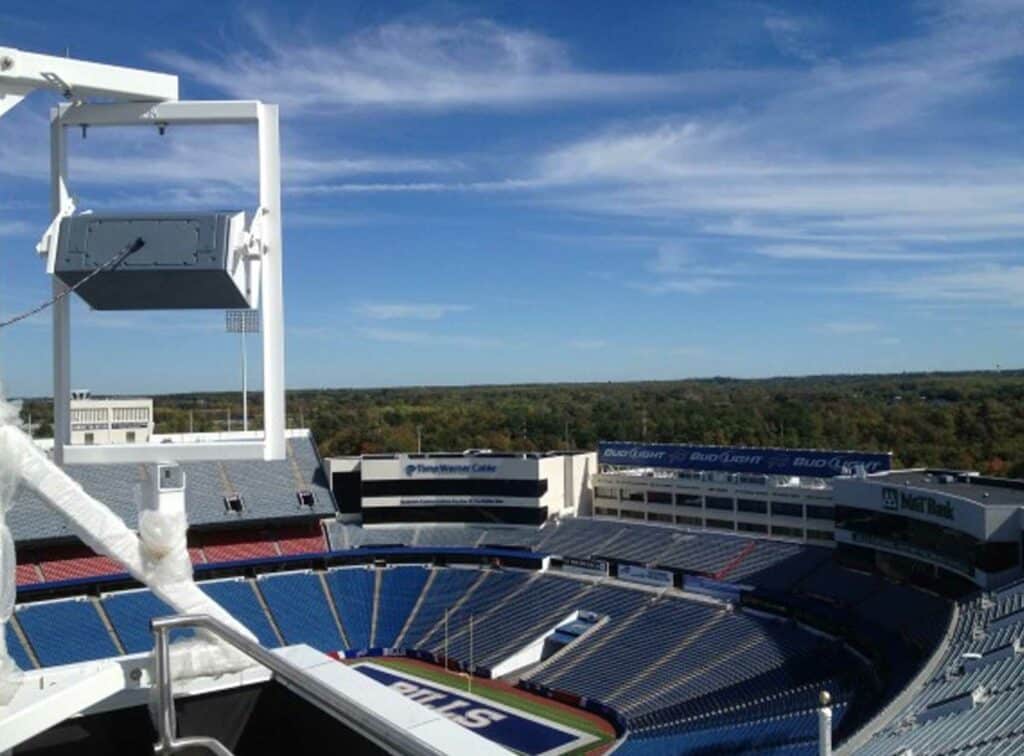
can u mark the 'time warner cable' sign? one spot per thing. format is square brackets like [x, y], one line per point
[806, 462]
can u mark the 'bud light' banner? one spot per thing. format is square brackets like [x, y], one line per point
[811, 463]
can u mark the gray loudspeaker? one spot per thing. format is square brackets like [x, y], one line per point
[185, 262]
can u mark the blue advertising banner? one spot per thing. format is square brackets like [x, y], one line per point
[508, 727]
[807, 462]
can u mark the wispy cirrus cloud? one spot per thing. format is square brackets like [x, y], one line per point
[201, 165]
[987, 284]
[854, 253]
[409, 66]
[406, 310]
[832, 159]
[426, 338]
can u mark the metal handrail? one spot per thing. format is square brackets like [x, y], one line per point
[367, 723]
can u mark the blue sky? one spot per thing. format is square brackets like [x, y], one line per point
[538, 191]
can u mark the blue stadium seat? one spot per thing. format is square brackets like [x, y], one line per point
[300, 610]
[239, 598]
[130, 613]
[352, 591]
[447, 587]
[63, 632]
[16, 650]
[400, 589]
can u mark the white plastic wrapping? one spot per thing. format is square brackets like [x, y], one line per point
[157, 557]
[10, 675]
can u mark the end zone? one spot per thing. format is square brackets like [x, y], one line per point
[505, 725]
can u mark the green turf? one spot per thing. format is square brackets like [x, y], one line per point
[536, 706]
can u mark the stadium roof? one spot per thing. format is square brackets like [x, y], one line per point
[981, 489]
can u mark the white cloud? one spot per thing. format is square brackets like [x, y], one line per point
[814, 252]
[794, 36]
[675, 268]
[406, 310]
[404, 65]
[426, 338]
[190, 166]
[17, 228]
[690, 285]
[991, 284]
[865, 157]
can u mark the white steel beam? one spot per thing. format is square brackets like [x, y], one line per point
[59, 196]
[21, 72]
[272, 305]
[186, 113]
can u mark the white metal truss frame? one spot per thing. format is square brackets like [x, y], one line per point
[263, 247]
[134, 97]
[22, 72]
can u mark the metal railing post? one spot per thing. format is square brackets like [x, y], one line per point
[365, 721]
[168, 720]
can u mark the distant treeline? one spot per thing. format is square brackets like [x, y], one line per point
[963, 420]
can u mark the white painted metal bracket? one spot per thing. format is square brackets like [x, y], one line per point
[22, 72]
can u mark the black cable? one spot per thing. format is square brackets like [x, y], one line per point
[123, 255]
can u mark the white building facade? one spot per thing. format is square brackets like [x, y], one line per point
[784, 493]
[783, 507]
[472, 486]
[111, 421]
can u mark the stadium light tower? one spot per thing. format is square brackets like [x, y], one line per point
[243, 322]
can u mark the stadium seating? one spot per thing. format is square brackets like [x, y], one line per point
[352, 591]
[670, 666]
[130, 612]
[791, 733]
[490, 592]
[62, 632]
[970, 705]
[268, 490]
[16, 649]
[400, 589]
[239, 597]
[299, 607]
[26, 574]
[444, 590]
[308, 539]
[76, 562]
[732, 558]
[238, 545]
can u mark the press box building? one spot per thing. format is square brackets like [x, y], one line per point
[471, 486]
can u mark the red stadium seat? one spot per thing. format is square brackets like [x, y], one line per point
[301, 539]
[26, 574]
[233, 546]
[71, 562]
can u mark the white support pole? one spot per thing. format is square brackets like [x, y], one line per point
[62, 308]
[825, 725]
[245, 386]
[272, 296]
